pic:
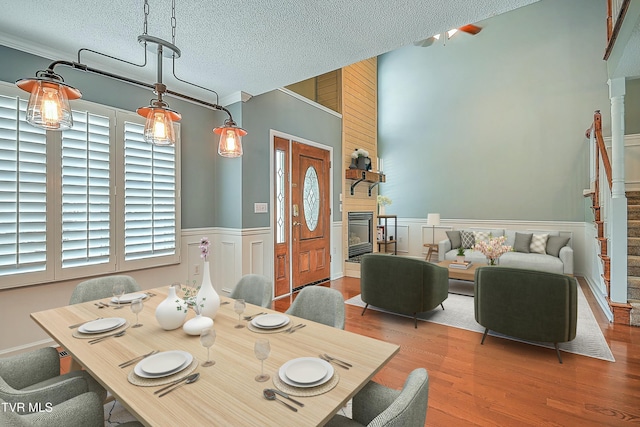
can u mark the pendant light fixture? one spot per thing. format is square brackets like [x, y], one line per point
[48, 106]
[230, 144]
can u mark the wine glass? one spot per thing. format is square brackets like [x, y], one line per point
[262, 350]
[238, 307]
[118, 291]
[207, 338]
[136, 307]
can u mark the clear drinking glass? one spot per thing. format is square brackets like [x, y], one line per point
[207, 338]
[118, 291]
[262, 350]
[136, 307]
[239, 306]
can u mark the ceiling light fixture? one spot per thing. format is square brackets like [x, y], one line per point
[49, 108]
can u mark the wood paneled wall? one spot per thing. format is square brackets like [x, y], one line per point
[329, 90]
[359, 130]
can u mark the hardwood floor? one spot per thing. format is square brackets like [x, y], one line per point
[504, 382]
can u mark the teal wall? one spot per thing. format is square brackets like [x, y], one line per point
[216, 191]
[282, 112]
[631, 107]
[492, 126]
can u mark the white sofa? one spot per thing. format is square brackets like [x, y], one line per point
[562, 264]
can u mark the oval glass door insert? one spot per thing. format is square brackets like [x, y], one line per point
[311, 198]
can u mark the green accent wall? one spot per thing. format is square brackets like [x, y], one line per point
[492, 126]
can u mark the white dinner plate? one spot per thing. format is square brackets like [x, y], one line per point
[306, 370]
[166, 359]
[282, 372]
[127, 298]
[102, 325]
[270, 321]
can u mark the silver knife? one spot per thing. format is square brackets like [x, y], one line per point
[286, 396]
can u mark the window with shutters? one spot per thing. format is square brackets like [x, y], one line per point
[94, 199]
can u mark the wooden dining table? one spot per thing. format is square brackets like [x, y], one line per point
[226, 393]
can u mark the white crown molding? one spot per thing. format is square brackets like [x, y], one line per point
[32, 48]
[239, 96]
[310, 102]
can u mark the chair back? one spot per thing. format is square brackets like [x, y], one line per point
[409, 408]
[254, 289]
[319, 304]
[101, 287]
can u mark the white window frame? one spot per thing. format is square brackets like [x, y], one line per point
[54, 271]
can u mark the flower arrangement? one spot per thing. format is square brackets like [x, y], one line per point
[190, 294]
[383, 200]
[204, 248]
[493, 249]
[359, 153]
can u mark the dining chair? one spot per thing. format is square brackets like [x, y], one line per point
[254, 289]
[377, 405]
[34, 378]
[84, 410]
[102, 287]
[319, 304]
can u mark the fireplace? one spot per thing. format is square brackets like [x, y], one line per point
[360, 226]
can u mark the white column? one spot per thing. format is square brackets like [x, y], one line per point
[618, 217]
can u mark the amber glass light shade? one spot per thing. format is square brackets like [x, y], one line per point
[230, 144]
[158, 129]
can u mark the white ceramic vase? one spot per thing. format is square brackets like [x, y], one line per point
[207, 298]
[381, 210]
[197, 324]
[171, 312]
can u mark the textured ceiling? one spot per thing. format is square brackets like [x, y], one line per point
[252, 46]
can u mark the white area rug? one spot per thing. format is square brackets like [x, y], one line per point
[459, 313]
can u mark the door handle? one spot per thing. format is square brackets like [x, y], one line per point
[296, 223]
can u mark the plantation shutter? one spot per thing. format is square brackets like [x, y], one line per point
[150, 196]
[23, 191]
[86, 221]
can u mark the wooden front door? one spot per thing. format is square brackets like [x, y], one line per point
[310, 214]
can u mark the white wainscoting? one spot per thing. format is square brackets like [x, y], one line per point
[631, 160]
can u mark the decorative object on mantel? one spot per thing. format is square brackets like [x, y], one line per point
[171, 312]
[492, 249]
[207, 298]
[383, 201]
[360, 159]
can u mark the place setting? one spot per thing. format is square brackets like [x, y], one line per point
[101, 328]
[162, 368]
[306, 376]
[269, 323]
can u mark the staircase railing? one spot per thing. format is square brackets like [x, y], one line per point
[601, 195]
[616, 10]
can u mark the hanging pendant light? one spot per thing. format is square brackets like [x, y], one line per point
[230, 144]
[48, 106]
[158, 129]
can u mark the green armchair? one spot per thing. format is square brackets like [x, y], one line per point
[34, 377]
[526, 304]
[85, 410]
[402, 284]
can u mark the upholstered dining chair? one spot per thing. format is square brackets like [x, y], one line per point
[254, 289]
[84, 410]
[377, 405]
[34, 377]
[101, 287]
[319, 304]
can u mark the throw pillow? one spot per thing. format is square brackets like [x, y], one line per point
[539, 243]
[481, 236]
[522, 242]
[467, 239]
[555, 243]
[454, 238]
